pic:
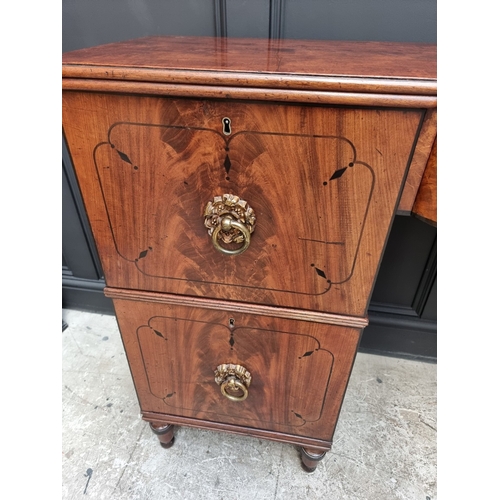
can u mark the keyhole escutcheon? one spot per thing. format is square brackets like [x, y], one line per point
[226, 126]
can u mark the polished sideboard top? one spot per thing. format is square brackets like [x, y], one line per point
[320, 66]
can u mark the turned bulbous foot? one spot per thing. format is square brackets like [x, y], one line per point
[165, 434]
[311, 458]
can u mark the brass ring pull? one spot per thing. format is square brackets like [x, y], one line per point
[229, 220]
[234, 381]
[234, 385]
[226, 224]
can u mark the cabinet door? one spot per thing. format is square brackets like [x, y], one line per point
[323, 183]
[299, 370]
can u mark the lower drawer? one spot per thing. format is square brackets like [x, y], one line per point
[291, 375]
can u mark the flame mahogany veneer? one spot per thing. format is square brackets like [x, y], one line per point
[325, 141]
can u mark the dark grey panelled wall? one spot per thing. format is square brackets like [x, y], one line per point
[88, 23]
[403, 307]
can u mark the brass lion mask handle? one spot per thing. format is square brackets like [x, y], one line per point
[234, 381]
[229, 219]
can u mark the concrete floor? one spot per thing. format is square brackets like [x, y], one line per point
[384, 446]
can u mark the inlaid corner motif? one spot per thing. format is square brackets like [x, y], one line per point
[153, 178]
[299, 380]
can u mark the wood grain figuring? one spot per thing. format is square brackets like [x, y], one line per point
[401, 61]
[324, 184]
[418, 165]
[223, 305]
[425, 207]
[299, 370]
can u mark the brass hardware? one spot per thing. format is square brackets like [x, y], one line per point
[229, 220]
[234, 381]
[234, 385]
[227, 223]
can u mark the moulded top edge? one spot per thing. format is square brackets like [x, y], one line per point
[252, 80]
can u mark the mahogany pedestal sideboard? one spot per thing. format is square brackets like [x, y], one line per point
[240, 193]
